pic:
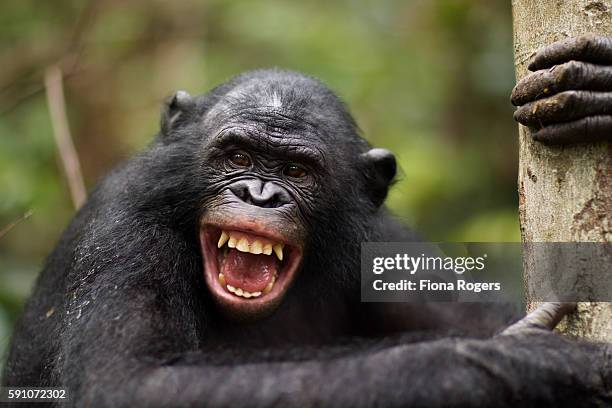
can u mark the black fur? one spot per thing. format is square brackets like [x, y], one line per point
[121, 314]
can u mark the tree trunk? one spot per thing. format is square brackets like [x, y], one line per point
[565, 193]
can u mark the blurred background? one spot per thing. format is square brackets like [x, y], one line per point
[427, 79]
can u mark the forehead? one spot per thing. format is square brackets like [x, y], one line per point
[279, 108]
[278, 92]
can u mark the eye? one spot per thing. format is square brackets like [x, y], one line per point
[240, 159]
[295, 171]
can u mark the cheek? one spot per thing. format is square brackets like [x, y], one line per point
[305, 198]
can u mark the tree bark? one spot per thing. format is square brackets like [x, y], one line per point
[565, 193]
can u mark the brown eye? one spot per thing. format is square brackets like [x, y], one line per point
[295, 171]
[240, 159]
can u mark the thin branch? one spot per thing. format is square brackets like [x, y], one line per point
[70, 58]
[61, 131]
[83, 23]
[9, 227]
[32, 89]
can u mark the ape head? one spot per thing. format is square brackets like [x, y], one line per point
[275, 152]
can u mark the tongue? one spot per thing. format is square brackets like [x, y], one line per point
[247, 271]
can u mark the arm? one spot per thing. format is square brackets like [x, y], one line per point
[149, 358]
[567, 98]
[502, 372]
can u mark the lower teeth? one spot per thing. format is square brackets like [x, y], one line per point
[268, 288]
[242, 293]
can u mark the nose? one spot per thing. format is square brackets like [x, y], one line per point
[262, 194]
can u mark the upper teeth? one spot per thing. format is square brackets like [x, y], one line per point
[242, 244]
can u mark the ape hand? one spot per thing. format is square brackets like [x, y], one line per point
[568, 97]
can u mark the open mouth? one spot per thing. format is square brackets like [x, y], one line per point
[247, 269]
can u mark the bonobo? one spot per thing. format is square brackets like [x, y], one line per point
[220, 267]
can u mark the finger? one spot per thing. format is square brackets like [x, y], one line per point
[572, 75]
[588, 48]
[545, 317]
[589, 129]
[564, 107]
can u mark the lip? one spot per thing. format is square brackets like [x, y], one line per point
[238, 306]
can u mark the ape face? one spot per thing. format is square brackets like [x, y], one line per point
[253, 231]
[279, 164]
[266, 153]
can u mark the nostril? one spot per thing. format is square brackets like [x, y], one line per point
[272, 203]
[241, 190]
[245, 195]
[264, 195]
[265, 202]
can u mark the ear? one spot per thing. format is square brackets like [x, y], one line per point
[174, 110]
[380, 171]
